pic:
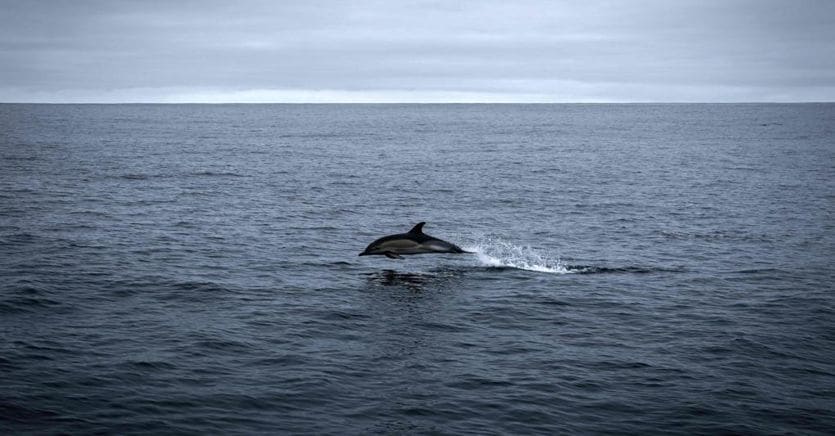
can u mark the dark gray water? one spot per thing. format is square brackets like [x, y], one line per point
[638, 269]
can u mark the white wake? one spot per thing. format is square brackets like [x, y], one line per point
[498, 253]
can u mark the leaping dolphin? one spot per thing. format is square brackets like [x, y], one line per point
[414, 242]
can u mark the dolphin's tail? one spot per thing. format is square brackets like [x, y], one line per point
[457, 249]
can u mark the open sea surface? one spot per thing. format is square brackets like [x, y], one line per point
[639, 269]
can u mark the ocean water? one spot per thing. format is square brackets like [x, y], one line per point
[638, 269]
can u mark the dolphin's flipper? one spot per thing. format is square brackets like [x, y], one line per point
[391, 255]
[417, 229]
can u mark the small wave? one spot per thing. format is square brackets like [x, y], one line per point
[180, 292]
[718, 235]
[216, 174]
[21, 158]
[135, 176]
[145, 176]
[591, 269]
[155, 365]
[14, 413]
[26, 299]
[497, 253]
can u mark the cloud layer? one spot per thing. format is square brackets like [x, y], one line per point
[422, 51]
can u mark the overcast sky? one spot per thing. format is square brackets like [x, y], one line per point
[417, 51]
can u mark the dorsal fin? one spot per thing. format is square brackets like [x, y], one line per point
[417, 229]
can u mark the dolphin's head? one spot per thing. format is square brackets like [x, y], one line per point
[380, 246]
[373, 248]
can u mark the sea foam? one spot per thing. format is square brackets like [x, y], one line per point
[498, 253]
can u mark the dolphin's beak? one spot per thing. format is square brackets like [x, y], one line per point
[363, 254]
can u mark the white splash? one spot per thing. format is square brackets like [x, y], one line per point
[494, 252]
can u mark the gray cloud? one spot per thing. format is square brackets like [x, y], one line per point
[417, 51]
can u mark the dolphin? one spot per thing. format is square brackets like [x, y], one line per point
[413, 242]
